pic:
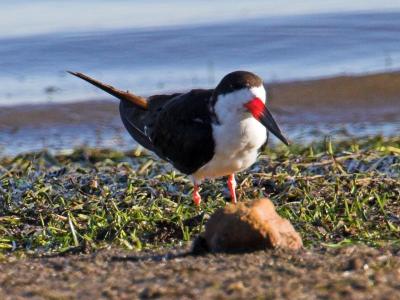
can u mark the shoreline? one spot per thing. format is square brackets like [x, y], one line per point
[343, 107]
[360, 98]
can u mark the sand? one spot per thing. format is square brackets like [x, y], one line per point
[365, 98]
[348, 273]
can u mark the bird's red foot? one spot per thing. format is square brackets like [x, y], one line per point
[232, 187]
[196, 195]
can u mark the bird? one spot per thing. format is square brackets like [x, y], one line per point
[204, 133]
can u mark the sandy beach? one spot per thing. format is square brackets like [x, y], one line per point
[364, 98]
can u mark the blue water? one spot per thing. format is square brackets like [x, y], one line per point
[27, 17]
[155, 56]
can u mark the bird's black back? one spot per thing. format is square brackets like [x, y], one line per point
[177, 127]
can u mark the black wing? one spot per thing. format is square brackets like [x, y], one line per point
[182, 131]
[135, 119]
[176, 127]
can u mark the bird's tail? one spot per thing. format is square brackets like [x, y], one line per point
[137, 100]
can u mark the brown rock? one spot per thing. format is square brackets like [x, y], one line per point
[246, 227]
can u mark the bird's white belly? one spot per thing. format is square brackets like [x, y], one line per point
[236, 148]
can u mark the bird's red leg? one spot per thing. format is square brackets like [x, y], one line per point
[232, 187]
[196, 195]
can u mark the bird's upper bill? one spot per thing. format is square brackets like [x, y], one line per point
[259, 111]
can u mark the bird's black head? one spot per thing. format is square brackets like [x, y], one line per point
[236, 81]
[241, 93]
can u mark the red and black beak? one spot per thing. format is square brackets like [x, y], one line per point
[259, 111]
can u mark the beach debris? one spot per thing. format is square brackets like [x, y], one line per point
[245, 227]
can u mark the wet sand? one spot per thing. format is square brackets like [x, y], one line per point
[306, 110]
[43, 115]
[366, 98]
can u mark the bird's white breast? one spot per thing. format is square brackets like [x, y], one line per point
[237, 140]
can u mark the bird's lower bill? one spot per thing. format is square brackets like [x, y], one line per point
[260, 112]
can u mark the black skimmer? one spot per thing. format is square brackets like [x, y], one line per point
[205, 133]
